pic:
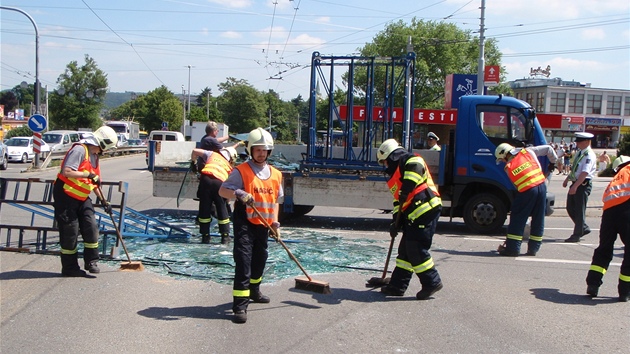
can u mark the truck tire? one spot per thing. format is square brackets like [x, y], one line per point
[485, 213]
[298, 210]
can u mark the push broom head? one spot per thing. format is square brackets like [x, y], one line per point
[132, 266]
[314, 286]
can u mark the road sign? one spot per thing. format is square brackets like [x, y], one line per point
[491, 75]
[37, 123]
[164, 124]
[37, 143]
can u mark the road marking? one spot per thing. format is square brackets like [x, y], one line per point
[565, 261]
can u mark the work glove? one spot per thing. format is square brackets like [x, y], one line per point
[393, 229]
[244, 197]
[241, 143]
[193, 167]
[551, 167]
[107, 207]
[95, 179]
[276, 227]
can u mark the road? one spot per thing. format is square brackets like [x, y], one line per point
[489, 304]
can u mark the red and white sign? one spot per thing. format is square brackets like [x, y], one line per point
[423, 116]
[491, 74]
[37, 143]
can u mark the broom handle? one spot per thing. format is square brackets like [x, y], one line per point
[118, 235]
[277, 238]
[391, 246]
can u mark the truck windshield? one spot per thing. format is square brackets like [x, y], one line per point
[118, 128]
[503, 123]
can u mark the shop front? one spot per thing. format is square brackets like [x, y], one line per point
[606, 131]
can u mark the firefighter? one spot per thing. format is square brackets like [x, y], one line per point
[615, 218]
[217, 167]
[254, 184]
[74, 213]
[417, 207]
[524, 170]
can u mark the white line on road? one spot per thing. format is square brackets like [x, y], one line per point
[565, 261]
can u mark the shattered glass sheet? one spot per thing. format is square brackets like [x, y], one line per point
[319, 251]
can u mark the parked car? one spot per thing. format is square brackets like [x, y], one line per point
[4, 156]
[61, 140]
[20, 149]
[122, 141]
[136, 142]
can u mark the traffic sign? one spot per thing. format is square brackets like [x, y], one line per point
[164, 124]
[37, 123]
[491, 74]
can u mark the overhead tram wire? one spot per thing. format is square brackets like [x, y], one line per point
[130, 44]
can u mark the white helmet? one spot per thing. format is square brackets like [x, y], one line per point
[230, 154]
[387, 147]
[259, 137]
[106, 137]
[90, 140]
[621, 160]
[502, 150]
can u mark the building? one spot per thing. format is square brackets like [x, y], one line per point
[603, 112]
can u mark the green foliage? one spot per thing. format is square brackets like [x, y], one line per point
[78, 99]
[9, 100]
[624, 145]
[161, 105]
[20, 131]
[242, 107]
[441, 49]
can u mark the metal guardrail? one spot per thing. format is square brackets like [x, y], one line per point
[125, 150]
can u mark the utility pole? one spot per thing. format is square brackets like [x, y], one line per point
[481, 67]
[208, 105]
[269, 120]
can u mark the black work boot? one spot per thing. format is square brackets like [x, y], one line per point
[90, 257]
[592, 290]
[240, 316]
[224, 230]
[427, 291]
[257, 296]
[624, 291]
[389, 290]
[70, 266]
[225, 239]
[205, 238]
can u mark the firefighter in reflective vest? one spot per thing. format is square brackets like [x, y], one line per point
[615, 218]
[417, 208]
[216, 168]
[254, 184]
[524, 170]
[74, 213]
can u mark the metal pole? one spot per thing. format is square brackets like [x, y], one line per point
[189, 90]
[208, 105]
[36, 63]
[481, 66]
[269, 121]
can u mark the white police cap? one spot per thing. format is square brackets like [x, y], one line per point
[432, 135]
[581, 136]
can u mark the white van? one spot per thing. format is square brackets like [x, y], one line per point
[165, 135]
[60, 140]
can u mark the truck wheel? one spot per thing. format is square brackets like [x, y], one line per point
[298, 210]
[5, 160]
[485, 213]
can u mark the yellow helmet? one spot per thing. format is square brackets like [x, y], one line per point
[231, 153]
[259, 137]
[623, 159]
[106, 137]
[502, 151]
[387, 147]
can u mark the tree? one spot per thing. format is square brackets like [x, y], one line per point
[624, 145]
[78, 99]
[208, 107]
[242, 107]
[441, 49]
[9, 100]
[20, 131]
[161, 105]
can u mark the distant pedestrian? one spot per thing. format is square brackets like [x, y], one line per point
[581, 176]
[615, 222]
[603, 161]
[560, 156]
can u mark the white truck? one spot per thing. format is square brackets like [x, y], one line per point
[130, 129]
[197, 130]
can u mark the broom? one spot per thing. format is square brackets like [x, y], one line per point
[303, 283]
[376, 282]
[135, 266]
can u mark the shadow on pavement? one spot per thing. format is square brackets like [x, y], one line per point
[219, 312]
[28, 274]
[555, 296]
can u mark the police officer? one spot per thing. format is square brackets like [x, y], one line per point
[615, 218]
[217, 167]
[417, 207]
[524, 170]
[74, 213]
[432, 142]
[581, 175]
[254, 184]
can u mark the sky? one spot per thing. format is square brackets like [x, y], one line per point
[143, 44]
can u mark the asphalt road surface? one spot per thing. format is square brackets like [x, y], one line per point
[489, 304]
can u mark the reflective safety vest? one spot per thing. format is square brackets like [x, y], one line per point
[618, 190]
[217, 166]
[79, 188]
[265, 193]
[422, 183]
[576, 161]
[524, 171]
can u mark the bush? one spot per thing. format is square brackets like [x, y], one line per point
[624, 145]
